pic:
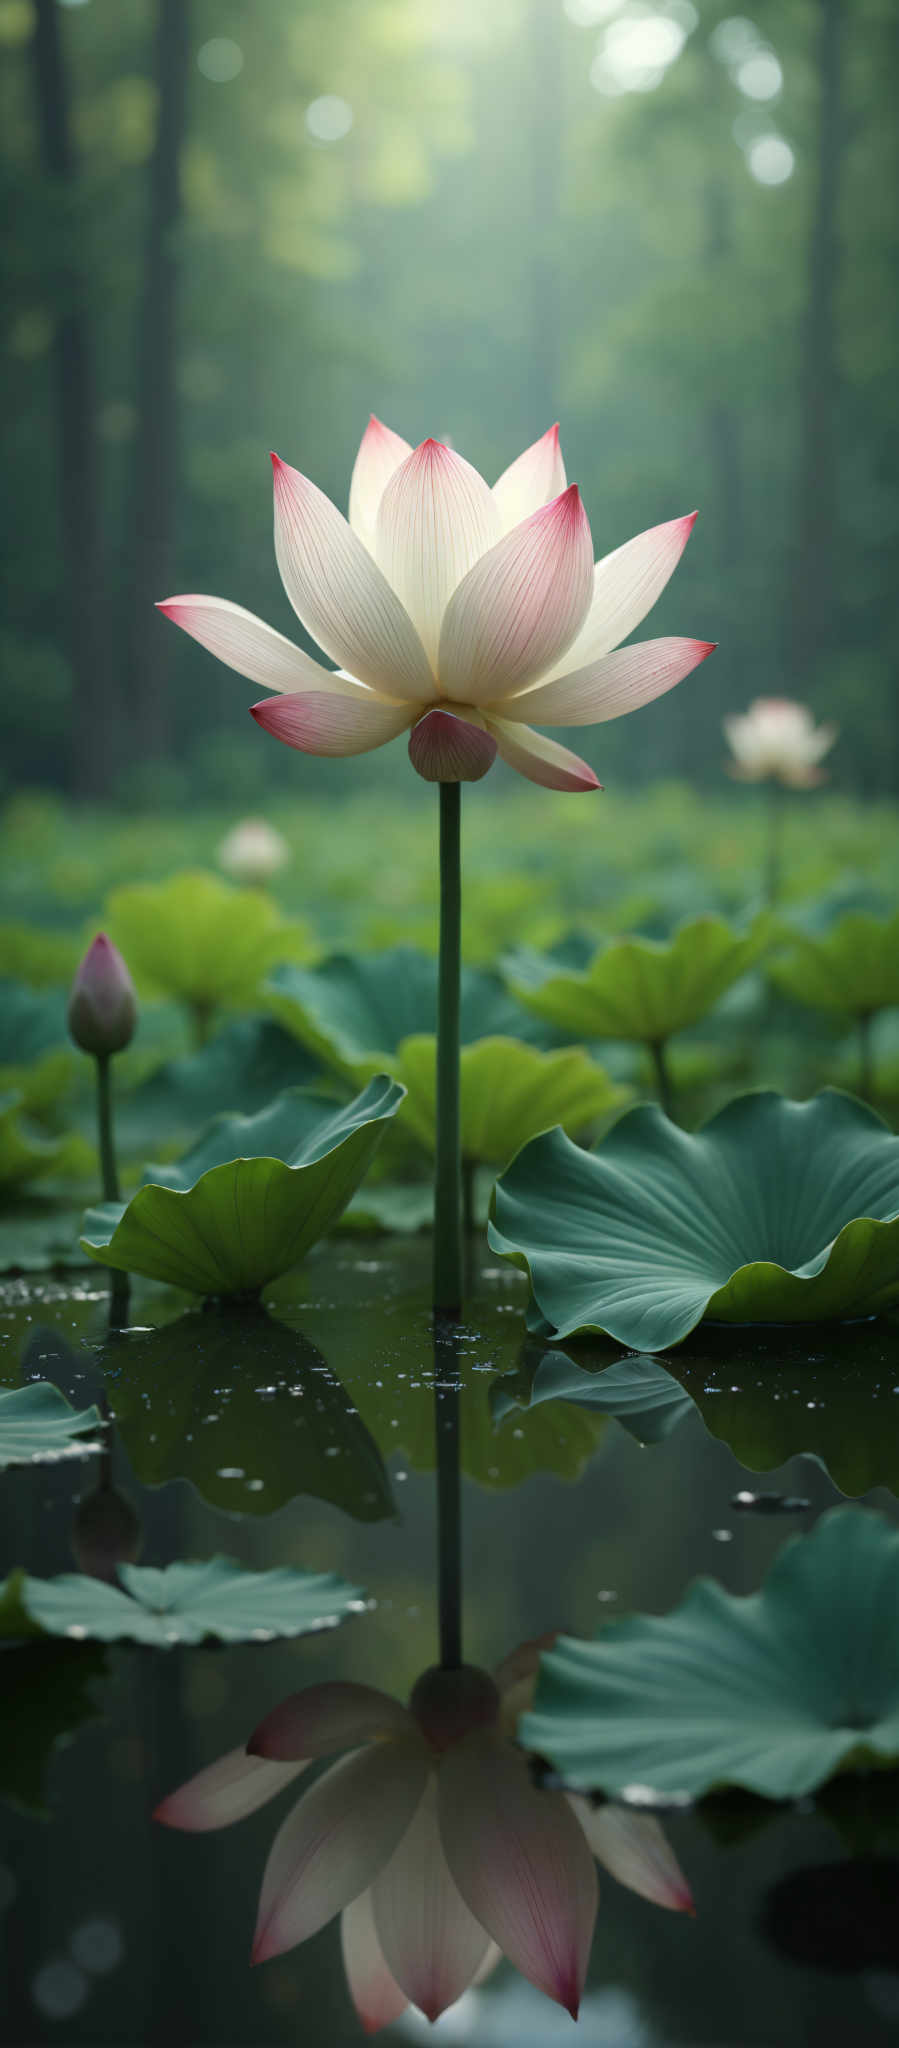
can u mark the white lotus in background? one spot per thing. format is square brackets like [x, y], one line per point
[253, 851]
[778, 739]
[430, 1838]
[460, 614]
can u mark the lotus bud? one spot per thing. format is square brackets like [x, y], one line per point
[253, 851]
[102, 1005]
[106, 1532]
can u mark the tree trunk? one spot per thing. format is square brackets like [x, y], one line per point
[814, 596]
[87, 628]
[148, 637]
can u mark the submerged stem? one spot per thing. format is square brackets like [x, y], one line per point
[105, 1139]
[663, 1075]
[449, 1516]
[448, 1167]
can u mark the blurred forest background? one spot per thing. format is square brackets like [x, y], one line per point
[231, 227]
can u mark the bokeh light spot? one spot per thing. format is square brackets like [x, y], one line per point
[771, 160]
[59, 1989]
[636, 51]
[759, 75]
[220, 60]
[734, 39]
[329, 118]
[97, 1946]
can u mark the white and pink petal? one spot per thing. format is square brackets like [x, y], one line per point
[626, 584]
[540, 759]
[375, 1994]
[532, 480]
[245, 643]
[340, 594]
[431, 1942]
[436, 518]
[444, 747]
[338, 1836]
[634, 1848]
[520, 607]
[336, 722]
[521, 1863]
[325, 1718]
[380, 452]
[225, 1792]
[620, 682]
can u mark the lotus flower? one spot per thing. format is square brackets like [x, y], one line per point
[429, 1838]
[102, 1004]
[778, 738]
[452, 611]
[253, 851]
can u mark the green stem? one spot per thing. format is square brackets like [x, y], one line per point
[104, 1129]
[866, 1053]
[201, 1017]
[774, 849]
[449, 1495]
[448, 1168]
[469, 1220]
[663, 1075]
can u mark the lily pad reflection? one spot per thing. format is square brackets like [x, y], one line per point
[247, 1411]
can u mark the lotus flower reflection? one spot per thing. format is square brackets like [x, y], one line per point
[455, 612]
[429, 1838]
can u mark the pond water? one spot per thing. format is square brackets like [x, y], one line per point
[304, 1436]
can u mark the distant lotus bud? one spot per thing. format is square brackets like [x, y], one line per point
[102, 1005]
[253, 851]
[106, 1532]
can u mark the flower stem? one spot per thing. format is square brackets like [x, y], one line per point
[448, 1169]
[663, 1075]
[449, 1515]
[108, 1167]
[774, 849]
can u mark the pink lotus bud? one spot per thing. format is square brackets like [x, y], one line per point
[102, 1005]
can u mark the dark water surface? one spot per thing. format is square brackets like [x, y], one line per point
[305, 1437]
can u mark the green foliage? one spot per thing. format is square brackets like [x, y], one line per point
[37, 957]
[26, 1153]
[775, 1212]
[250, 1197]
[197, 938]
[639, 989]
[247, 1411]
[247, 1063]
[38, 1426]
[183, 1603]
[774, 1693]
[35, 1055]
[353, 1011]
[509, 1091]
[38, 1235]
[853, 969]
[649, 1401]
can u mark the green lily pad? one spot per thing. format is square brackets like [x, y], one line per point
[183, 1603]
[353, 1011]
[775, 1212]
[40, 958]
[247, 1063]
[36, 1058]
[46, 1695]
[26, 1152]
[638, 1392]
[198, 938]
[247, 1411]
[38, 1426]
[853, 969]
[775, 1693]
[508, 1092]
[250, 1197]
[640, 989]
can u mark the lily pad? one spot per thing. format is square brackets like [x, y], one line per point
[353, 1011]
[775, 1692]
[247, 1411]
[198, 938]
[508, 1092]
[853, 969]
[775, 1212]
[250, 1197]
[26, 1152]
[37, 1236]
[638, 1392]
[40, 958]
[642, 990]
[38, 1426]
[246, 1063]
[182, 1603]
